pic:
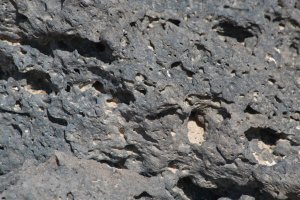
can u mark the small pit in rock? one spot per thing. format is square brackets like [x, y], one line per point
[231, 29]
[266, 140]
[193, 191]
[99, 87]
[195, 129]
[266, 135]
[38, 82]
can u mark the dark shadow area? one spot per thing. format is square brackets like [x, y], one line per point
[98, 86]
[266, 135]
[231, 29]
[85, 47]
[143, 195]
[55, 120]
[7, 67]
[123, 95]
[226, 188]
[179, 64]
[37, 81]
[194, 192]
[163, 113]
[198, 117]
[176, 22]
[132, 148]
[119, 165]
[250, 110]
[113, 85]
[113, 161]
[225, 114]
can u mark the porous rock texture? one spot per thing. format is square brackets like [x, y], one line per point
[149, 99]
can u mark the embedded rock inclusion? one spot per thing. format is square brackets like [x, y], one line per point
[139, 99]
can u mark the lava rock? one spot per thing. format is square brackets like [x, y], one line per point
[202, 98]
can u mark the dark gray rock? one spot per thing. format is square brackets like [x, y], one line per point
[200, 97]
[66, 177]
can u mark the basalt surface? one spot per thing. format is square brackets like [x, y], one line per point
[136, 99]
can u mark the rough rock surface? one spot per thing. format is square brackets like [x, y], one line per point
[81, 179]
[136, 99]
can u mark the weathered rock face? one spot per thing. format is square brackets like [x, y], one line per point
[81, 179]
[136, 99]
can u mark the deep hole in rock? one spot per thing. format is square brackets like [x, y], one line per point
[118, 89]
[151, 19]
[169, 110]
[231, 29]
[85, 47]
[175, 64]
[39, 81]
[124, 96]
[266, 135]
[250, 110]
[133, 148]
[148, 173]
[101, 47]
[224, 113]
[98, 86]
[77, 71]
[295, 46]
[106, 76]
[120, 164]
[268, 17]
[271, 81]
[114, 161]
[55, 120]
[174, 21]
[68, 88]
[60, 44]
[152, 47]
[18, 105]
[70, 196]
[194, 192]
[17, 128]
[180, 65]
[20, 18]
[277, 99]
[143, 195]
[7, 67]
[132, 24]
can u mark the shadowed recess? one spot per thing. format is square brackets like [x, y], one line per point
[194, 192]
[231, 29]
[266, 135]
[85, 47]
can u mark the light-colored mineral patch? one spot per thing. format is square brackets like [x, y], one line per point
[195, 132]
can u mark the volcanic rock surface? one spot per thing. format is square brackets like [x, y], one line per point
[149, 99]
